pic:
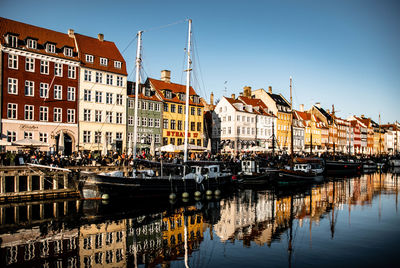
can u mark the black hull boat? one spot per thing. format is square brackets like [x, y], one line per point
[342, 167]
[285, 176]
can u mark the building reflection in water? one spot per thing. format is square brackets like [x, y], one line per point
[62, 234]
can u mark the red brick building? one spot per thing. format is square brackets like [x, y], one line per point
[39, 86]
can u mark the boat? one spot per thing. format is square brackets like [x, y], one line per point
[394, 162]
[254, 173]
[369, 165]
[342, 167]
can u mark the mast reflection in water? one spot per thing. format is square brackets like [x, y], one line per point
[348, 222]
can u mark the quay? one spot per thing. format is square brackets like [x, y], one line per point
[25, 183]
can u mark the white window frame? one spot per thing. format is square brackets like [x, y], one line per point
[50, 48]
[11, 136]
[131, 120]
[29, 64]
[87, 76]
[28, 135]
[31, 43]
[86, 136]
[44, 67]
[89, 58]
[118, 118]
[71, 72]
[71, 94]
[98, 115]
[57, 114]
[98, 97]
[12, 40]
[58, 69]
[69, 52]
[70, 115]
[99, 77]
[29, 112]
[117, 64]
[119, 99]
[103, 61]
[109, 117]
[29, 88]
[87, 114]
[87, 95]
[13, 61]
[12, 110]
[120, 81]
[12, 87]
[109, 98]
[43, 137]
[109, 79]
[44, 90]
[57, 92]
[44, 113]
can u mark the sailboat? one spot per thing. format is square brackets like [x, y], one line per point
[149, 179]
[302, 169]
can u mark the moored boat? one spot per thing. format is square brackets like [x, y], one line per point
[342, 167]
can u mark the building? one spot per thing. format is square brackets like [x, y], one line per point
[40, 78]
[298, 134]
[280, 107]
[149, 114]
[102, 95]
[328, 140]
[173, 97]
[312, 136]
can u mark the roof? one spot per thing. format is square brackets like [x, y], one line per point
[131, 92]
[160, 85]
[324, 113]
[42, 36]
[256, 103]
[304, 115]
[100, 49]
[278, 99]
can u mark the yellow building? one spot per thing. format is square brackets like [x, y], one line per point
[280, 108]
[312, 132]
[173, 113]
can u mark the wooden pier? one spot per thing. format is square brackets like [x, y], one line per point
[25, 183]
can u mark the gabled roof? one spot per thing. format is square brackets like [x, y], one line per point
[100, 49]
[160, 85]
[304, 115]
[278, 99]
[131, 92]
[42, 36]
[255, 103]
[324, 113]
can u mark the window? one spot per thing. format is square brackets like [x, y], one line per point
[103, 61]
[118, 64]
[68, 51]
[173, 124]
[182, 97]
[11, 136]
[97, 139]
[165, 141]
[58, 69]
[29, 88]
[71, 115]
[29, 64]
[13, 86]
[198, 126]
[44, 67]
[157, 107]
[179, 124]
[57, 92]
[99, 77]
[32, 43]
[98, 97]
[43, 137]
[119, 99]
[168, 94]
[173, 108]
[109, 137]
[118, 136]
[144, 121]
[144, 105]
[87, 76]
[118, 118]
[180, 110]
[199, 113]
[151, 122]
[229, 129]
[238, 130]
[12, 61]
[89, 58]
[51, 48]
[29, 112]
[109, 80]
[192, 126]
[151, 106]
[57, 114]
[130, 120]
[87, 95]
[71, 94]
[86, 136]
[109, 98]
[12, 40]
[28, 135]
[192, 110]
[119, 81]
[98, 115]
[86, 115]
[71, 72]
[109, 117]
[157, 122]
[44, 113]
[157, 138]
[138, 121]
[165, 123]
[12, 111]
[165, 105]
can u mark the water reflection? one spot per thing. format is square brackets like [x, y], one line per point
[74, 233]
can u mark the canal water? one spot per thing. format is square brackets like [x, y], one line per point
[341, 222]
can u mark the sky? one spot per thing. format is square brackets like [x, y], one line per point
[342, 52]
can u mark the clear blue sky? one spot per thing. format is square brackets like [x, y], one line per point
[345, 53]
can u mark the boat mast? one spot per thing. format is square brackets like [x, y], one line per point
[291, 123]
[138, 60]
[379, 135]
[189, 63]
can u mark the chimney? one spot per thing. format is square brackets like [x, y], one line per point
[71, 33]
[270, 89]
[318, 104]
[247, 92]
[362, 116]
[327, 110]
[100, 36]
[233, 96]
[301, 107]
[166, 76]
[212, 98]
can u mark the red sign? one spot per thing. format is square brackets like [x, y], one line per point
[180, 134]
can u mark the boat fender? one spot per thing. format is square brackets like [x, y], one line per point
[217, 192]
[197, 193]
[105, 197]
[209, 192]
[185, 195]
[172, 196]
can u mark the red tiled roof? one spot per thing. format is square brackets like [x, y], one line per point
[304, 115]
[41, 34]
[100, 49]
[255, 103]
[160, 85]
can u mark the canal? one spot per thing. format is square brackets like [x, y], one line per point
[341, 222]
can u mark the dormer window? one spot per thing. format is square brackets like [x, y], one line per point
[117, 64]
[168, 94]
[196, 99]
[182, 97]
[89, 58]
[51, 48]
[103, 61]
[12, 40]
[31, 43]
[68, 51]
